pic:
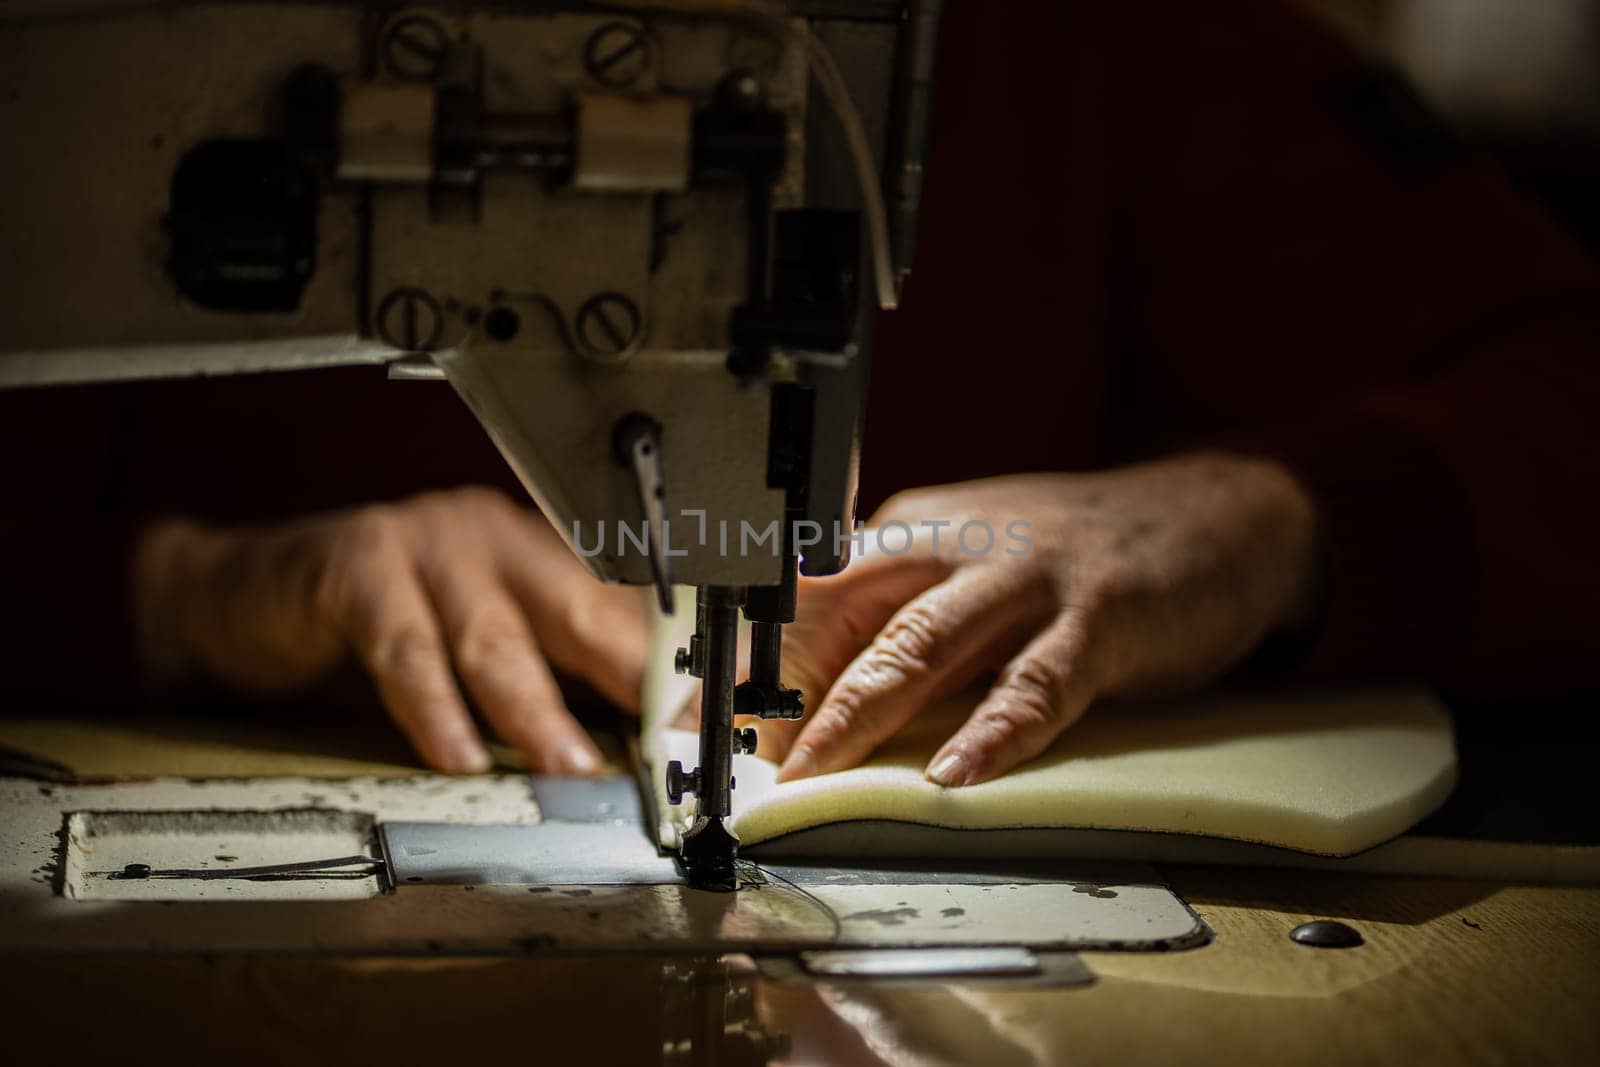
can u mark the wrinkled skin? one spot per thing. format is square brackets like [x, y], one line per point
[1146, 581]
[461, 584]
[1149, 580]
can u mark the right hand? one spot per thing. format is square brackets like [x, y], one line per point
[443, 585]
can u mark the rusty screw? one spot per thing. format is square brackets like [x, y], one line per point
[617, 54]
[414, 48]
[609, 327]
[410, 320]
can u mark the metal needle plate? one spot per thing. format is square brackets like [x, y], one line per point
[550, 853]
[594, 836]
[921, 962]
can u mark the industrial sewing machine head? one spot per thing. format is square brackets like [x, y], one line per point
[641, 241]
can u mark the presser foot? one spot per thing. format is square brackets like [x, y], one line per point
[707, 855]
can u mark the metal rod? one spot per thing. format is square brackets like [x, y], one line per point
[720, 607]
[766, 648]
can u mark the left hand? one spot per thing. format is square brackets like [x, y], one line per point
[1145, 581]
[439, 596]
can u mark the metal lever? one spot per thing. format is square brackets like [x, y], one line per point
[764, 696]
[637, 439]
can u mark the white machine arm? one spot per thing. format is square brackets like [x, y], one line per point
[626, 236]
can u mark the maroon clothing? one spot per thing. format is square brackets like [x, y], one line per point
[1147, 226]
[1160, 223]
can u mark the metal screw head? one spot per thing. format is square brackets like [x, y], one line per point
[414, 48]
[1325, 933]
[410, 320]
[744, 741]
[609, 327]
[617, 54]
[680, 661]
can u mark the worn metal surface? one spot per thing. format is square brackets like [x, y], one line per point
[551, 853]
[290, 854]
[78, 365]
[920, 963]
[888, 905]
[510, 902]
[883, 969]
[612, 800]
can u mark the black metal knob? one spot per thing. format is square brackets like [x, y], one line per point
[680, 782]
[681, 662]
[744, 741]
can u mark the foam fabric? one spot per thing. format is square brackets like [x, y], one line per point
[1331, 773]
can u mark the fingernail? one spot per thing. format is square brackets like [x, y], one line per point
[466, 755]
[951, 771]
[580, 761]
[800, 764]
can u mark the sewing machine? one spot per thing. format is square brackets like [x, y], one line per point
[644, 242]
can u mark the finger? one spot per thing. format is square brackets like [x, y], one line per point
[835, 619]
[602, 634]
[944, 636]
[597, 631]
[775, 737]
[1041, 692]
[838, 616]
[379, 603]
[497, 657]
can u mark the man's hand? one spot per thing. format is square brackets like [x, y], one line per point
[1149, 580]
[445, 585]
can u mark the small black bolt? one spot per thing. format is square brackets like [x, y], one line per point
[617, 54]
[681, 661]
[136, 870]
[501, 324]
[1325, 933]
[609, 326]
[415, 48]
[744, 741]
[410, 320]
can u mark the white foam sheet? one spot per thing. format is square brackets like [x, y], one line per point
[1331, 774]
